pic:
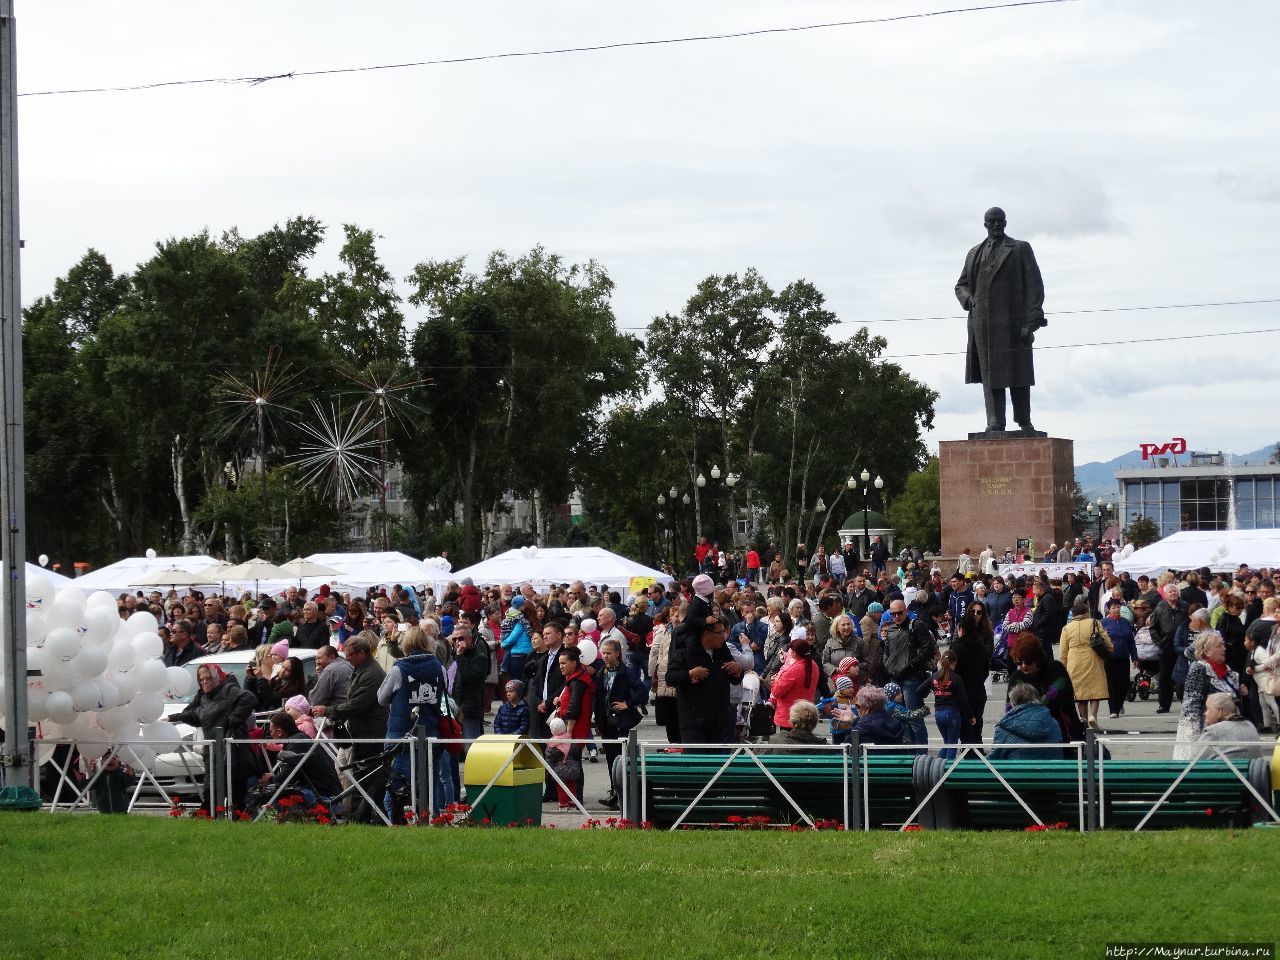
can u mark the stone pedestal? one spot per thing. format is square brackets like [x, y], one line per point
[995, 491]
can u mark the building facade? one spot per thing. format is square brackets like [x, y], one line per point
[1205, 494]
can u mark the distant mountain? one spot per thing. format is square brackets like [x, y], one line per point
[1098, 479]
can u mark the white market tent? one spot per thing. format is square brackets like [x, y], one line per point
[123, 574]
[378, 569]
[548, 565]
[57, 579]
[1192, 549]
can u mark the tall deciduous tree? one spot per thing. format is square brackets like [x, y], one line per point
[916, 514]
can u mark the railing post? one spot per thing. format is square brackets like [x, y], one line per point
[1090, 780]
[215, 777]
[423, 794]
[631, 770]
[856, 773]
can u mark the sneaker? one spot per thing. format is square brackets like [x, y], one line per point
[593, 755]
[1114, 716]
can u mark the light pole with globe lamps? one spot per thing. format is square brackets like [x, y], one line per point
[1100, 509]
[851, 483]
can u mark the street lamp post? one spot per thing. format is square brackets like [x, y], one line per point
[865, 477]
[1101, 509]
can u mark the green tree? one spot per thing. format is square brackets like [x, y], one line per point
[1141, 532]
[527, 349]
[916, 513]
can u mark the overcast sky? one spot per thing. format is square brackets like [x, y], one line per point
[1133, 143]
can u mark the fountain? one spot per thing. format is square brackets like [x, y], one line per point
[1231, 493]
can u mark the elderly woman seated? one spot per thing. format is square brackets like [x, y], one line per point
[804, 718]
[1224, 725]
[1028, 721]
[875, 723]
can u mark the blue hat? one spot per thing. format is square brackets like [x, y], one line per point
[517, 601]
[446, 625]
[874, 608]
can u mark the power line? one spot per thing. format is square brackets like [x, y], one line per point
[254, 81]
[306, 364]
[1055, 313]
[1097, 343]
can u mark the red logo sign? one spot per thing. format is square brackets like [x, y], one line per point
[1175, 446]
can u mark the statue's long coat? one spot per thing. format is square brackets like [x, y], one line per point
[1002, 297]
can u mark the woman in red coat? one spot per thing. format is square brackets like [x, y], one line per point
[576, 703]
[797, 680]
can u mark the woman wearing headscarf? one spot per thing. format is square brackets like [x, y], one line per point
[1207, 675]
[222, 704]
[1050, 680]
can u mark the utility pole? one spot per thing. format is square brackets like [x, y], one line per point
[18, 775]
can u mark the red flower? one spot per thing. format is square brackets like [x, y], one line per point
[175, 811]
[912, 828]
[1209, 812]
[734, 818]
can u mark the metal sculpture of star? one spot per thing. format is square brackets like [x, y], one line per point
[253, 399]
[335, 460]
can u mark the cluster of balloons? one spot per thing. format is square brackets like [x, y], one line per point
[94, 678]
[438, 563]
[528, 552]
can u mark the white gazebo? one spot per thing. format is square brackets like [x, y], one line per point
[872, 525]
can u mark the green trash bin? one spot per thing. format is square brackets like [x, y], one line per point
[516, 795]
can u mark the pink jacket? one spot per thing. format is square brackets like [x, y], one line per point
[789, 686]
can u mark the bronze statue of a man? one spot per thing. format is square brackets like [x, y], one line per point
[1001, 288]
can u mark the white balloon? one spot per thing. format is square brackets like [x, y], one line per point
[123, 656]
[152, 677]
[147, 707]
[179, 682]
[61, 644]
[84, 696]
[1127, 552]
[142, 621]
[1223, 550]
[151, 553]
[65, 614]
[72, 596]
[116, 721]
[37, 705]
[37, 660]
[37, 627]
[108, 694]
[40, 591]
[44, 559]
[58, 675]
[100, 598]
[100, 625]
[126, 687]
[148, 645]
[162, 731]
[587, 650]
[60, 707]
[90, 662]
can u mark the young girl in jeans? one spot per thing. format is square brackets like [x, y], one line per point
[951, 708]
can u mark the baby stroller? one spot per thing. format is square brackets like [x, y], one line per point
[1144, 683]
[1000, 658]
[754, 719]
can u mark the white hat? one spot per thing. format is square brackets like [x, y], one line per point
[799, 633]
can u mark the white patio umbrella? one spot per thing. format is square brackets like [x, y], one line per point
[255, 571]
[173, 577]
[302, 568]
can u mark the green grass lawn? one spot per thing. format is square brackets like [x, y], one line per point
[91, 886]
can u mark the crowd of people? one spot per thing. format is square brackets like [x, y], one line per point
[868, 651]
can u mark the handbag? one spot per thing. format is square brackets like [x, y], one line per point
[1098, 642]
[450, 728]
[760, 720]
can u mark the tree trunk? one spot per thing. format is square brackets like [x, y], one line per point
[178, 462]
[466, 484]
[788, 551]
[539, 535]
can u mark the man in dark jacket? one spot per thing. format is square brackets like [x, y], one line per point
[313, 631]
[468, 682]
[958, 598]
[365, 719]
[1046, 618]
[909, 647]
[545, 685]
[702, 674]
[1168, 616]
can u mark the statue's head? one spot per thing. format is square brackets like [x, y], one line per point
[994, 221]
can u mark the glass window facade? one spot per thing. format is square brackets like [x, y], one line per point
[1203, 503]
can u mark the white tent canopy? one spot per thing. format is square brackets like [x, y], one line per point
[377, 569]
[123, 574]
[1219, 550]
[549, 565]
[57, 579]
